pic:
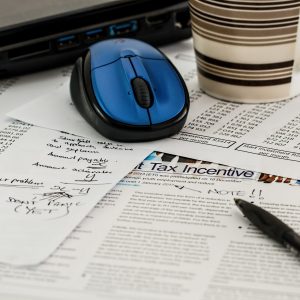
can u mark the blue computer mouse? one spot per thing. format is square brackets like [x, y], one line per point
[129, 91]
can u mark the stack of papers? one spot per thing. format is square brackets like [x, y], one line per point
[83, 217]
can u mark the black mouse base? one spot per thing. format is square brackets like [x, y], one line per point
[84, 100]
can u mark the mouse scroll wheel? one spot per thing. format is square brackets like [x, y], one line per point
[142, 92]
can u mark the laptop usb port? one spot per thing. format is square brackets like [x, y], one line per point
[158, 20]
[123, 28]
[94, 35]
[67, 42]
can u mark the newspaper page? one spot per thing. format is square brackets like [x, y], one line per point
[169, 232]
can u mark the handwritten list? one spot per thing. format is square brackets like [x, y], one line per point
[49, 181]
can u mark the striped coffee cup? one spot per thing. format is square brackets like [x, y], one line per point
[247, 50]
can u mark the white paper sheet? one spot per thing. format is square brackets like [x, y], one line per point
[17, 91]
[165, 235]
[64, 165]
[59, 113]
[36, 216]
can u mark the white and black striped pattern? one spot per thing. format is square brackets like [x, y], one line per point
[245, 74]
[249, 23]
[248, 43]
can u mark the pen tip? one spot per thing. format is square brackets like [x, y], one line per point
[237, 201]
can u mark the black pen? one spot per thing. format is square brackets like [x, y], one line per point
[270, 225]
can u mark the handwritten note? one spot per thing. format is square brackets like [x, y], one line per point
[55, 203]
[36, 216]
[49, 181]
[52, 153]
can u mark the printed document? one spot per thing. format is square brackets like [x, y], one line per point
[167, 232]
[260, 137]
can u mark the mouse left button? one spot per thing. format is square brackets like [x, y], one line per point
[77, 89]
[114, 95]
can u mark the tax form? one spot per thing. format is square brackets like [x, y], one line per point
[260, 137]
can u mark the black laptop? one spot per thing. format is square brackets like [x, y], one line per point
[37, 34]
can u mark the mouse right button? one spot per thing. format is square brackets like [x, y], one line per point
[168, 90]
